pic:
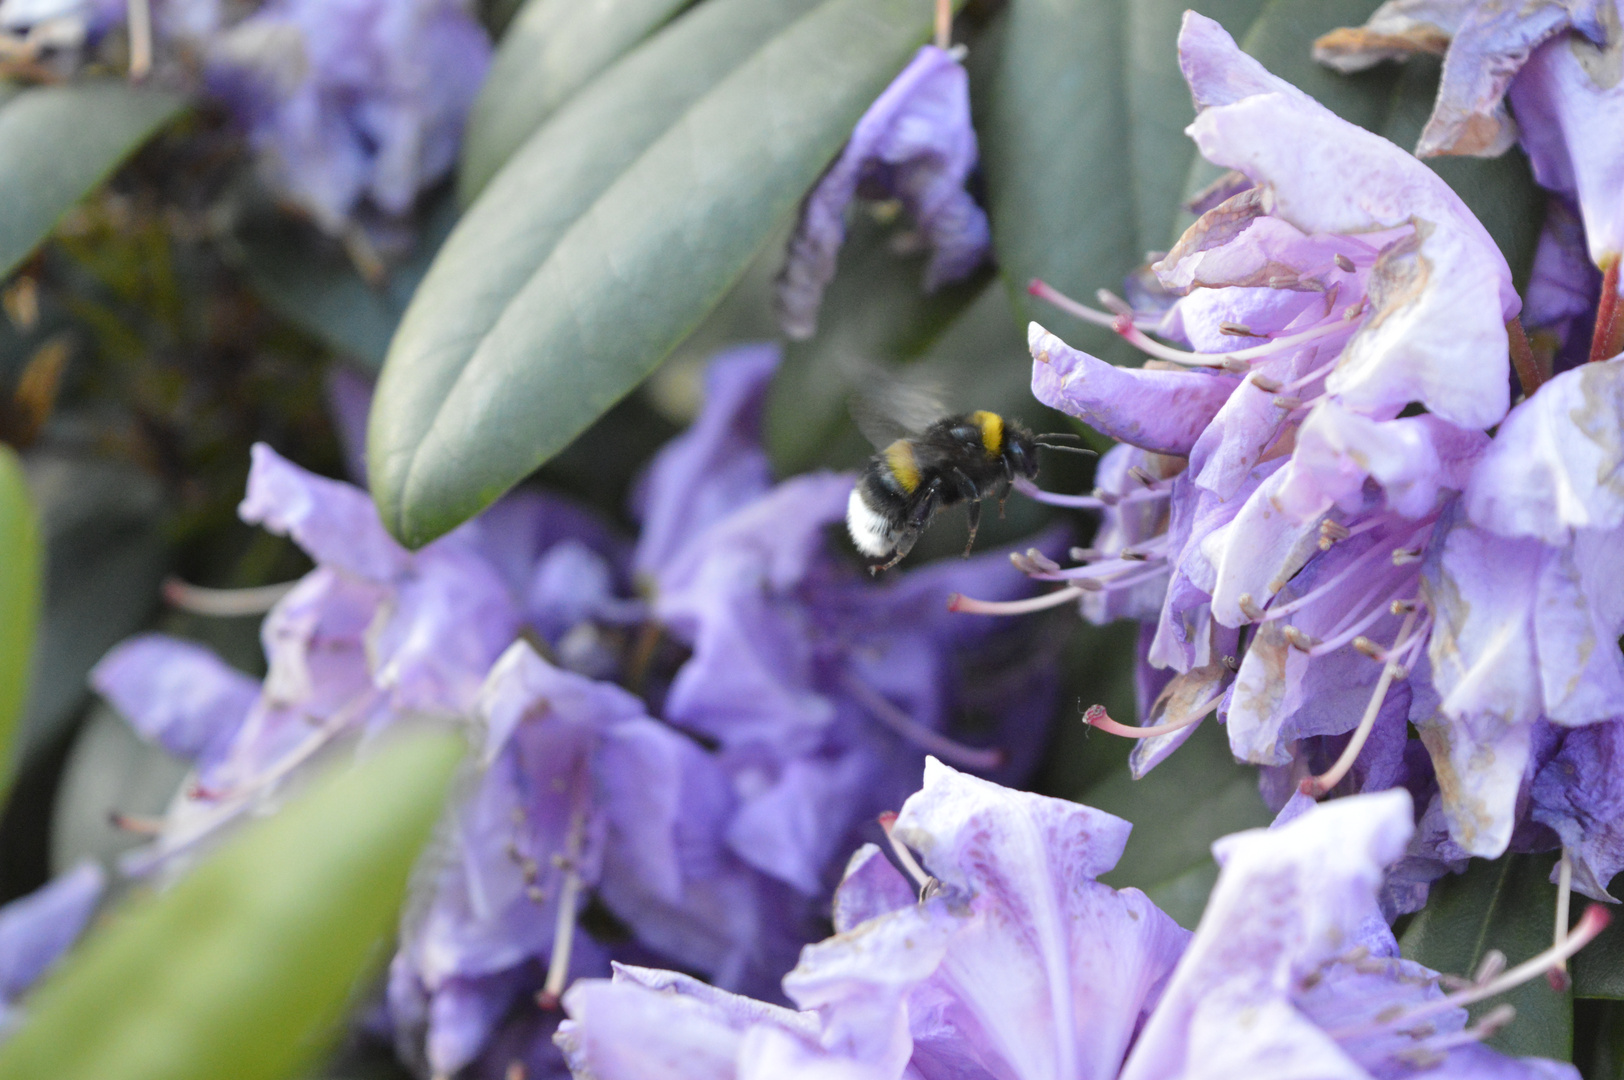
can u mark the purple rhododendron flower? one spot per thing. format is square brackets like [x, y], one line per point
[914, 144]
[348, 101]
[1016, 963]
[38, 928]
[1556, 62]
[792, 701]
[1269, 480]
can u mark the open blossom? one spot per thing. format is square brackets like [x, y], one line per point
[1556, 62]
[914, 144]
[1016, 963]
[351, 101]
[706, 813]
[1331, 283]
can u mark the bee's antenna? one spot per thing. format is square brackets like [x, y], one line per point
[1053, 442]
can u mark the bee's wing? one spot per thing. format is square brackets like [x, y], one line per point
[889, 404]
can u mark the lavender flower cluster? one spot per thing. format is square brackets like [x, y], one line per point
[784, 701]
[1363, 487]
[1308, 510]
[1013, 961]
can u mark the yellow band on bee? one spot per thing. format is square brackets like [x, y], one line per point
[992, 431]
[899, 457]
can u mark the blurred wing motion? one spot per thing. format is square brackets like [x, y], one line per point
[889, 403]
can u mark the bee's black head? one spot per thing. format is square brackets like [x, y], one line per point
[1022, 449]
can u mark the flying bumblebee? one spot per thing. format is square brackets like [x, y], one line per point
[963, 458]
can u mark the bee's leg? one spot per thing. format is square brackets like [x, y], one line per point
[916, 524]
[967, 491]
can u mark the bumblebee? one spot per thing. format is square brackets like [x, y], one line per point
[964, 458]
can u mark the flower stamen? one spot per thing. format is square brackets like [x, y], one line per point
[960, 602]
[1097, 717]
[1319, 785]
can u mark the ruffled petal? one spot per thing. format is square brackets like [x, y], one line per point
[1161, 411]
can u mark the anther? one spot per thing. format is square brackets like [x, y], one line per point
[1343, 263]
[1369, 648]
[1235, 329]
[1402, 607]
[1088, 554]
[1249, 607]
[1405, 556]
[1333, 530]
[1492, 964]
[1114, 303]
[1287, 402]
[1139, 473]
[1131, 555]
[1324, 782]
[1109, 498]
[1266, 384]
[1298, 639]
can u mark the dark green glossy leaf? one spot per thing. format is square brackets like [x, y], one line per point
[1598, 969]
[1598, 1039]
[551, 49]
[104, 559]
[1507, 905]
[307, 279]
[19, 602]
[1081, 114]
[608, 238]
[245, 967]
[43, 172]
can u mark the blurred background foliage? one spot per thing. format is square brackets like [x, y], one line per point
[627, 182]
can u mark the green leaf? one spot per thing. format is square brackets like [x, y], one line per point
[609, 237]
[104, 559]
[551, 49]
[59, 142]
[247, 965]
[19, 603]
[1081, 116]
[1507, 905]
[306, 279]
[1598, 968]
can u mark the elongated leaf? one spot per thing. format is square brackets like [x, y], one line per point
[244, 968]
[550, 50]
[104, 558]
[1598, 969]
[555, 297]
[1507, 905]
[19, 602]
[58, 142]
